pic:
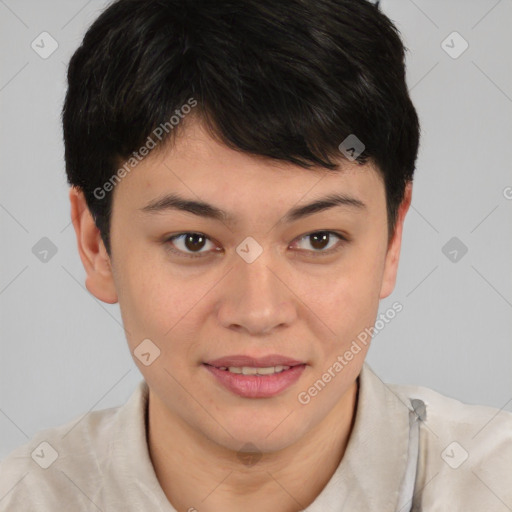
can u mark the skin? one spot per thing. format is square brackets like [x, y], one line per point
[287, 302]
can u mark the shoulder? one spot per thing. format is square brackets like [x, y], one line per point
[59, 465]
[465, 453]
[447, 413]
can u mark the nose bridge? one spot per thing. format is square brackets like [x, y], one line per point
[257, 300]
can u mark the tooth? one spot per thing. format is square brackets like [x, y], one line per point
[266, 371]
[248, 370]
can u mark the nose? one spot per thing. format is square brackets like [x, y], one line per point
[256, 298]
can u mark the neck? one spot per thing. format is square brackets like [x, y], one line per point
[196, 473]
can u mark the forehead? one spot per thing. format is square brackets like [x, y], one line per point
[198, 166]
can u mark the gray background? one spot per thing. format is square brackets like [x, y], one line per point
[63, 352]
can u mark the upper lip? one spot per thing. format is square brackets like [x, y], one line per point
[240, 360]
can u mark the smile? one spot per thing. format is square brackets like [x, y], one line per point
[249, 370]
[255, 381]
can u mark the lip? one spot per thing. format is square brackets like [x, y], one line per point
[256, 386]
[240, 360]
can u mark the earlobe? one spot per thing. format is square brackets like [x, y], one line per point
[393, 253]
[95, 259]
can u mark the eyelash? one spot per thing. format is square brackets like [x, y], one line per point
[342, 241]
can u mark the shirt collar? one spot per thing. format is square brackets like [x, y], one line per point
[368, 477]
[370, 474]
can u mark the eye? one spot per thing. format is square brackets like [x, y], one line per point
[319, 240]
[191, 244]
[185, 242]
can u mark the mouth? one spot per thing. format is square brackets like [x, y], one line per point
[244, 361]
[252, 377]
[251, 370]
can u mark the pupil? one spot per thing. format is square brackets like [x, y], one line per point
[319, 240]
[191, 241]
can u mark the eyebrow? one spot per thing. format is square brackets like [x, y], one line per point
[202, 209]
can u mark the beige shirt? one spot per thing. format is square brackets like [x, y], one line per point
[462, 460]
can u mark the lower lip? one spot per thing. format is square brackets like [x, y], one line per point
[252, 386]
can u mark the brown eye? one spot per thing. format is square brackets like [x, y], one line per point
[320, 240]
[189, 244]
[194, 241]
[323, 242]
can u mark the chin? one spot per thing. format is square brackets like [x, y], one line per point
[258, 437]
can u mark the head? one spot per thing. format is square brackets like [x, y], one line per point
[246, 107]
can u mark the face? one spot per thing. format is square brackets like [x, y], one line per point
[254, 282]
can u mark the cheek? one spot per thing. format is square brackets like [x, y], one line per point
[347, 300]
[167, 306]
[150, 303]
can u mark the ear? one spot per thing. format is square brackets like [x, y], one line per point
[94, 256]
[393, 254]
